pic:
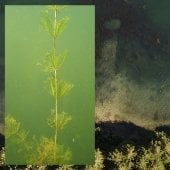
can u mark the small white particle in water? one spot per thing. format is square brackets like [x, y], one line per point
[73, 140]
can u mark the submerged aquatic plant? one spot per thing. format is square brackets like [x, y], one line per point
[42, 150]
[43, 153]
[51, 65]
[2, 157]
[11, 126]
[155, 156]
[99, 161]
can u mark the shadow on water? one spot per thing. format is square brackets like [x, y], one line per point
[164, 128]
[2, 141]
[2, 97]
[110, 135]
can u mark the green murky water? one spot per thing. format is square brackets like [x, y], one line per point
[26, 96]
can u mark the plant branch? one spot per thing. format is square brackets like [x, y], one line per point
[55, 78]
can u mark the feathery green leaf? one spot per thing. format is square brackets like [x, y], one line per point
[47, 24]
[60, 25]
[62, 120]
[64, 88]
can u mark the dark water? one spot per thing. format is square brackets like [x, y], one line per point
[1, 97]
[1, 69]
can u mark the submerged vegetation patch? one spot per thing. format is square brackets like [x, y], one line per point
[128, 156]
[156, 156]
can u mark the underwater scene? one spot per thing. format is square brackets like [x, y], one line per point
[49, 84]
[132, 87]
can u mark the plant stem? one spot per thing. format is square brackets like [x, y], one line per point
[56, 88]
[56, 113]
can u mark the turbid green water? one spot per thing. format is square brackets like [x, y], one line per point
[26, 96]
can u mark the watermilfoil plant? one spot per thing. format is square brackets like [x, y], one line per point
[52, 65]
[44, 150]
